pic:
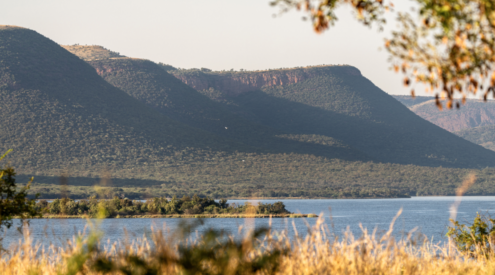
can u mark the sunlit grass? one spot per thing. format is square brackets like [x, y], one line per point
[261, 252]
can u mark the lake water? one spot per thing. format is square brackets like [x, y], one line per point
[429, 214]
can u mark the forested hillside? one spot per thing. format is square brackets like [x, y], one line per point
[62, 118]
[337, 102]
[300, 132]
[150, 84]
[350, 102]
[58, 114]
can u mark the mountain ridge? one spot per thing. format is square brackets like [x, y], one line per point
[335, 97]
[342, 101]
[149, 83]
[65, 119]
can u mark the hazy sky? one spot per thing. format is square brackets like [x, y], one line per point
[216, 34]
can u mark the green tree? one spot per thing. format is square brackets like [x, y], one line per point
[13, 200]
[448, 45]
[475, 239]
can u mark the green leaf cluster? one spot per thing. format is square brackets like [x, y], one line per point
[14, 202]
[476, 239]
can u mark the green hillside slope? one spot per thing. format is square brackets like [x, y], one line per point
[150, 84]
[61, 117]
[57, 113]
[337, 102]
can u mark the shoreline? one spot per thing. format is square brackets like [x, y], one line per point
[315, 198]
[310, 198]
[182, 216]
[279, 198]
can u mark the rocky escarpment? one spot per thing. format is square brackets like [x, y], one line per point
[235, 83]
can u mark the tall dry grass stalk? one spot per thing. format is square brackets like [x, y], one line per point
[466, 184]
[318, 252]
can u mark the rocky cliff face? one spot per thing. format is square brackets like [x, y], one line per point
[233, 84]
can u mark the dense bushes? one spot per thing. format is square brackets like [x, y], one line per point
[186, 205]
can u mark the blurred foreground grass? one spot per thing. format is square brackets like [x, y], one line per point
[259, 252]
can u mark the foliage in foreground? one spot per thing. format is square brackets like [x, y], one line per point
[258, 252]
[475, 239]
[446, 45]
[14, 201]
[185, 205]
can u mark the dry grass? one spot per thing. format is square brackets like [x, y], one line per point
[318, 252]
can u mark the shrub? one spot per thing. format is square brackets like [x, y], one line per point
[476, 239]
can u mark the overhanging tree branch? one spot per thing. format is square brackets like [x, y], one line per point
[448, 46]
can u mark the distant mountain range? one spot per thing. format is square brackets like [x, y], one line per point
[323, 131]
[474, 121]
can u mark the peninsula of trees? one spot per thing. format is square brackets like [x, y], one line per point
[160, 207]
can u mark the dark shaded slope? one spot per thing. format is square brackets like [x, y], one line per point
[149, 83]
[337, 102]
[58, 113]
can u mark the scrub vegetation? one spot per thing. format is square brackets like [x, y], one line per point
[124, 207]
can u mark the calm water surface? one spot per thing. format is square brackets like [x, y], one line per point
[429, 214]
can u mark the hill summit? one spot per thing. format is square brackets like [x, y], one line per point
[88, 53]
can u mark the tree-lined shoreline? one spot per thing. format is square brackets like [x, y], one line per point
[185, 207]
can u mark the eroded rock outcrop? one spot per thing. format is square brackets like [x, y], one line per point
[235, 83]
